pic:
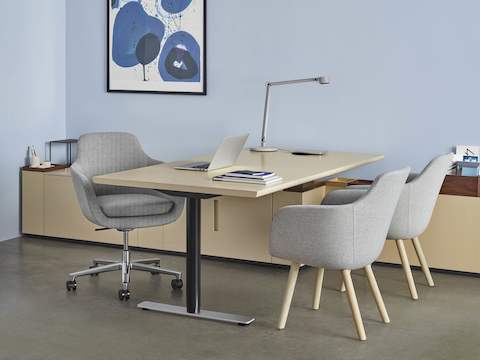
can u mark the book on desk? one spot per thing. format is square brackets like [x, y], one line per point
[250, 177]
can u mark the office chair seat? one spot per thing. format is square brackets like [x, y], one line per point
[132, 205]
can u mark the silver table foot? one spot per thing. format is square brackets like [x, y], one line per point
[203, 314]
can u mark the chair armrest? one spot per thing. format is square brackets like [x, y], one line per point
[344, 196]
[151, 161]
[358, 187]
[179, 204]
[316, 235]
[85, 194]
[412, 176]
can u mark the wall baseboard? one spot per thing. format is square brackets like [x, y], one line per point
[15, 238]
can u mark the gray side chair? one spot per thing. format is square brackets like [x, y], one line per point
[413, 213]
[338, 237]
[120, 208]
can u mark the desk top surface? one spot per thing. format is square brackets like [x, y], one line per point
[295, 170]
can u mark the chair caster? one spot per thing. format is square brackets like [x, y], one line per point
[123, 295]
[177, 284]
[93, 267]
[71, 285]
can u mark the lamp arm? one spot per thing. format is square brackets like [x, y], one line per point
[319, 79]
[266, 112]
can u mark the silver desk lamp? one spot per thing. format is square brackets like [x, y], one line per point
[322, 80]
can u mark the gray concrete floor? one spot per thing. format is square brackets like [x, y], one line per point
[40, 320]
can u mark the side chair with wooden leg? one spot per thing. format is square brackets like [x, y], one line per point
[338, 237]
[412, 215]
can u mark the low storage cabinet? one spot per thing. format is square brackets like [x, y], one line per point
[239, 228]
[235, 228]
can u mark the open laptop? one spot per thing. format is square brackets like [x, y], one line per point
[226, 155]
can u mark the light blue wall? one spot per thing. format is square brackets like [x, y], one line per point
[32, 111]
[404, 79]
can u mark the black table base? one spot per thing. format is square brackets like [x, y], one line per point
[193, 278]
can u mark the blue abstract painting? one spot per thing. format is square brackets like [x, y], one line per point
[157, 46]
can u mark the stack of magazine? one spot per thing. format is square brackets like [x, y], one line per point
[250, 177]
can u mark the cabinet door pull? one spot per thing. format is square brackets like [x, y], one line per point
[215, 215]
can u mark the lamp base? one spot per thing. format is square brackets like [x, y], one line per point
[264, 149]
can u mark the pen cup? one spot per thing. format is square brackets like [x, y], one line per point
[34, 161]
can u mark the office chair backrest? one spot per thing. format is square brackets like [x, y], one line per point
[419, 196]
[373, 214]
[103, 153]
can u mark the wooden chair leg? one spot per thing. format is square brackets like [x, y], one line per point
[318, 289]
[406, 268]
[423, 261]
[376, 294]
[292, 280]
[352, 298]
[342, 287]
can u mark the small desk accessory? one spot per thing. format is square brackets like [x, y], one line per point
[467, 160]
[68, 143]
[34, 159]
[468, 168]
[35, 163]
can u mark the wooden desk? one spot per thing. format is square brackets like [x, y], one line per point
[195, 186]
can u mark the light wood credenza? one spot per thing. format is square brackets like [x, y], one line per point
[238, 228]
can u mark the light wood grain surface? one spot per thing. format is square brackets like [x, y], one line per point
[294, 170]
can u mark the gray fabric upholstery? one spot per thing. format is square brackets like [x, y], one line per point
[125, 205]
[102, 153]
[411, 176]
[415, 207]
[357, 187]
[345, 196]
[348, 236]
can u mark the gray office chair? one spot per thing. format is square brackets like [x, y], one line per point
[413, 213]
[120, 208]
[340, 237]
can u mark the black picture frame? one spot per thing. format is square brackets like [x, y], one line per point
[204, 60]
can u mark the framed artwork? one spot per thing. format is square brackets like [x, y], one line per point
[157, 46]
[467, 153]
